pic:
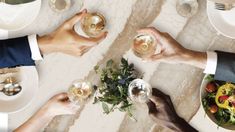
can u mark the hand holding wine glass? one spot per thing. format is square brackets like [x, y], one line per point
[173, 52]
[66, 40]
[57, 105]
[162, 111]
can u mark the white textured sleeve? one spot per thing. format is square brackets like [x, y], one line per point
[3, 34]
[33, 44]
[211, 63]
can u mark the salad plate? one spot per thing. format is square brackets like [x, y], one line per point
[214, 112]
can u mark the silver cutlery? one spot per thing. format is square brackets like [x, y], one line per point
[10, 87]
[223, 7]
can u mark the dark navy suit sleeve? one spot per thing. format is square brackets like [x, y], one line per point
[15, 52]
[225, 70]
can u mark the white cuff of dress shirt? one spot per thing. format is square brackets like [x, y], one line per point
[211, 63]
[33, 44]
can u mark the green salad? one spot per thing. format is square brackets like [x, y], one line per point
[220, 101]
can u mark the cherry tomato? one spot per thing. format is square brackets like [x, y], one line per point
[213, 109]
[211, 87]
[223, 98]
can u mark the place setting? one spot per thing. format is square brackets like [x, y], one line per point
[18, 88]
[216, 97]
[222, 17]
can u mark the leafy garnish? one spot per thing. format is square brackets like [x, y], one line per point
[210, 78]
[113, 90]
[222, 116]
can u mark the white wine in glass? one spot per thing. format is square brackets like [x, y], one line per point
[144, 45]
[80, 91]
[93, 24]
[139, 91]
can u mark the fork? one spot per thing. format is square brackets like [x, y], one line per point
[224, 7]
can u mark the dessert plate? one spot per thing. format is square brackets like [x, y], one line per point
[222, 21]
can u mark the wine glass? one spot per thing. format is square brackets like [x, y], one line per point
[60, 5]
[145, 45]
[187, 8]
[80, 91]
[139, 91]
[92, 24]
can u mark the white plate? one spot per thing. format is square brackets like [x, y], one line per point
[222, 21]
[29, 81]
[16, 17]
[201, 121]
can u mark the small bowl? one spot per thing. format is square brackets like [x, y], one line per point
[208, 114]
[29, 82]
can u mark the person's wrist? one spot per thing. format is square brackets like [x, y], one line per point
[194, 58]
[46, 112]
[45, 43]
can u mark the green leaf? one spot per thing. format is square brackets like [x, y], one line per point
[121, 90]
[105, 108]
[96, 68]
[126, 106]
[210, 78]
[109, 63]
[124, 62]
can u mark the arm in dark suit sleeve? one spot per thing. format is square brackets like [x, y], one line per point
[15, 52]
[225, 70]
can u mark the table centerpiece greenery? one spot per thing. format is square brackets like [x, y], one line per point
[113, 89]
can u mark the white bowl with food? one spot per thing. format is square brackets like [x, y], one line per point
[28, 80]
[218, 100]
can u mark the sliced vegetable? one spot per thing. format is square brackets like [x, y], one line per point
[213, 109]
[220, 101]
[211, 87]
[223, 98]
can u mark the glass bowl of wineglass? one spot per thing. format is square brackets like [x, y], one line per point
[59, 5]
[80, 91]
[145, 45]
[92, 24]
[139, 91]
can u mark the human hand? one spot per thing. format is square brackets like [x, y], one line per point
[162, 111]
[66, 40]
[59, 105]
[172, 51]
